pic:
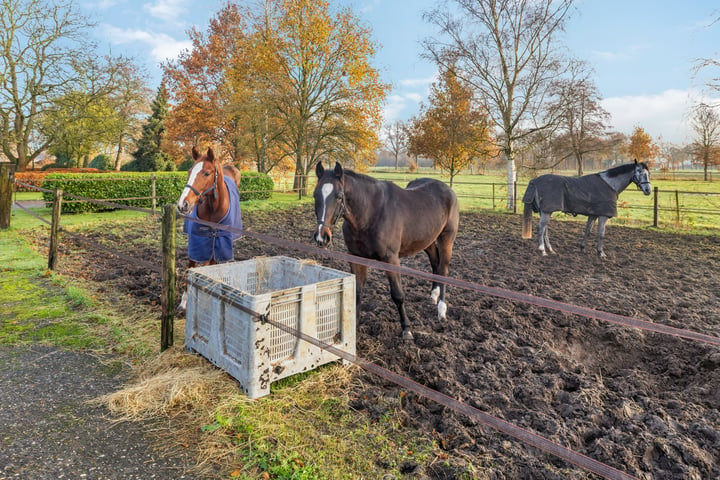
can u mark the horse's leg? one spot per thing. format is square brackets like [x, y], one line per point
[601, 233]
[542, 231]
[398, 296]
[360, 272]
[445, 246]
[433, 255]
[588, 228]
[183, 301]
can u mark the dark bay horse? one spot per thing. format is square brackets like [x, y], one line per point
[385, 222]
[211, 194]
[593, 195]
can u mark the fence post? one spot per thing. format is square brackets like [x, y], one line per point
[7, 178]
[55, 229]
[154, 200]
[655, 207]
[677, 209]
[169, 276]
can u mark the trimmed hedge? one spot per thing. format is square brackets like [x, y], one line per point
[135, 188]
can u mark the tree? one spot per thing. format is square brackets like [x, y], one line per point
[453, 129]
[149, 156]
[201, 94]
[41, 46]
[706, 146]
[582, 118]
[101, 111]
[641, 146]
[506, 49]
[396, 139]
[316, 70]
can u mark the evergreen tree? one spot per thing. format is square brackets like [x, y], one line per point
[149, 157]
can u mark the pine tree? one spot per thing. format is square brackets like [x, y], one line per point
[149, 157]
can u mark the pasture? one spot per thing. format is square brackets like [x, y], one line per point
[644, 403]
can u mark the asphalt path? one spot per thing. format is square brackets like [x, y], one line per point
[50, 430]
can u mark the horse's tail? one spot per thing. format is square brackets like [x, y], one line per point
[528, 199]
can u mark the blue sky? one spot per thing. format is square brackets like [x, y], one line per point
[642, 51]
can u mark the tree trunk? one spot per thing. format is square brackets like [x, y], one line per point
[511, 175]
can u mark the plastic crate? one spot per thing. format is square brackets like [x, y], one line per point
[315, 300]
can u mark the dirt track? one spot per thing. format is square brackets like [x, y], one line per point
[644, 403]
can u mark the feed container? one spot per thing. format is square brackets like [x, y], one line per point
[307, 297]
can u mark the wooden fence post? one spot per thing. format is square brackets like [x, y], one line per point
[169, 276]
[55, 229]
[7, 178]
[154, 199]
[655, 207]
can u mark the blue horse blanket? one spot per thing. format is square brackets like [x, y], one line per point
[205, 242]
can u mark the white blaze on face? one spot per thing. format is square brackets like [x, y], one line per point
[191, 179]
[326, 190]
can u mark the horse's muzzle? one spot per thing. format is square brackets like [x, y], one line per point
[323, 236]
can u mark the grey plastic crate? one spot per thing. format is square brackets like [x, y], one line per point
[316, 300]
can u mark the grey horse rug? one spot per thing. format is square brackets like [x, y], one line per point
[586, 195]
[205, 242]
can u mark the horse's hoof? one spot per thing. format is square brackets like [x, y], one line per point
[602, 255]
[543, 253]
[407, 335]
[442, 310]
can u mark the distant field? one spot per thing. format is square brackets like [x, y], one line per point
[685, 201]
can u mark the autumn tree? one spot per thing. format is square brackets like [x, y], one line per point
[582, 120]
[453, 129]
[396, 139]
[200, 94]
[320, 82]
[41, 46]
[641, 146]
[506, 50]
[705, 147]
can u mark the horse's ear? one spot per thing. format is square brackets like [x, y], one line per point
[319, 170]
[636, 161]
[338, 170]
[210, 154]
[195, 153]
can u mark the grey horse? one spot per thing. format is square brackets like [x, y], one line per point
[593, 195]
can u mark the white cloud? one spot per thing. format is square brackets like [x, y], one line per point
[162, 46]
[418, 82]
[661, 115]
[167, 10]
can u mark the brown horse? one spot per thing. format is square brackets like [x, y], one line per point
[211, 194]
[385, 222]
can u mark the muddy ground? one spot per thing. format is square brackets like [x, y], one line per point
[644, 403]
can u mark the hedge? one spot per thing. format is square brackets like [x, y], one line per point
[135, 188]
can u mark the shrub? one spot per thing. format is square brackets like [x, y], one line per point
[102, 162]
[255, 186]
[135, 188]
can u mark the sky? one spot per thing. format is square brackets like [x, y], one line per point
[642, 51]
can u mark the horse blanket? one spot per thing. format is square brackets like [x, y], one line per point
[586, 195]
[205, 242]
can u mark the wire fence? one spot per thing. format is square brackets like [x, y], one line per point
[168, 269]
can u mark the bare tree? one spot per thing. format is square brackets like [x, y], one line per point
[41, 46]
[507, 50]
[582, 120]
[396, 139]
[706, 147]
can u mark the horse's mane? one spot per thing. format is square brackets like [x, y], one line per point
[622, 169]
[361, 177]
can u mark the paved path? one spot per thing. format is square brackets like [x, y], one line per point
[49, 431]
